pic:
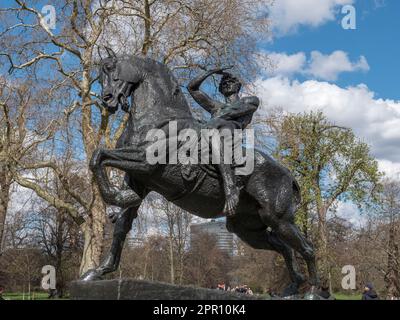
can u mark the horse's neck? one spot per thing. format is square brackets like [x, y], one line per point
[155, 104]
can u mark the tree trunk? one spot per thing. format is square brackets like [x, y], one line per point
[181, 265]
[171, 259]
[60, 283]
[322, 241]
[392, 281]
[4, 199]
[147, 28]
[93, 231]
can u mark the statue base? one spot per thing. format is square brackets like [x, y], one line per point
[131, 289]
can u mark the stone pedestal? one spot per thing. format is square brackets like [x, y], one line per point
[130, 289]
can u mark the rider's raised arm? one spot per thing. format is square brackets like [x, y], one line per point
[199, 96]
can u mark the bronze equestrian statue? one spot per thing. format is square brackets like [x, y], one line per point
[268, 197]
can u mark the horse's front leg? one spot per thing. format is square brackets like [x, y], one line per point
[124, 198]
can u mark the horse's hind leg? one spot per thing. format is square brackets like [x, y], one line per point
[122, 226]
[262, 239]
[291, 263]
[278, 210]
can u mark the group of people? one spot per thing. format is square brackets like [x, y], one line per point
[244, 289]
[368, 293]
[324, 293]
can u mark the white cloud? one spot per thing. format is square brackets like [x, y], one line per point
[350, 212]
[21, 199]
[377, 121]
[328, 67]
[392, 169]
[318, 66]
[288, 15]
[284, 64]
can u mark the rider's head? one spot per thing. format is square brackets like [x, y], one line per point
[229, 84]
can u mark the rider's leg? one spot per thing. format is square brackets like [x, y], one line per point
[231, 190]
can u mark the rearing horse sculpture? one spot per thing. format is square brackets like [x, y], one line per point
[264, 218]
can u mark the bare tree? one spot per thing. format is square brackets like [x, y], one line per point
[176, 225]
[253, 267]
[57, 235]
[21, 260]
[207, 264]
[23, 131]
[389, 223]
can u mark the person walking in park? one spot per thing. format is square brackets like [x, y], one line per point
[369, 293]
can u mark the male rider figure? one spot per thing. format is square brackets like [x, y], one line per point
[235, 113]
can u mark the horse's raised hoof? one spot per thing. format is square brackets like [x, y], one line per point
[91, 275]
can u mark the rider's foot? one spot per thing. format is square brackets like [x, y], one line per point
[231, 203]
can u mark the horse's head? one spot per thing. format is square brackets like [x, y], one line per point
[115, 82]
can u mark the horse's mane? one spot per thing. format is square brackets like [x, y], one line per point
[150, 65]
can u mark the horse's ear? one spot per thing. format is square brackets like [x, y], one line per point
[110, 52]
[99, 53]
[127, 72]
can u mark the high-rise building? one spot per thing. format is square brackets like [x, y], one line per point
[216, 228]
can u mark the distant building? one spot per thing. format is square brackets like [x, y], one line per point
[218, 230]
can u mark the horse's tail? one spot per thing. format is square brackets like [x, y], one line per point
[296, 195]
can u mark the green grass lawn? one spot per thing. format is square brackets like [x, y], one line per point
[33, 296]
[342, 296]
[338, 296]
[44, 296]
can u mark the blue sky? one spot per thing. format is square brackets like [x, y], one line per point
[376, 38]
[351, 75]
